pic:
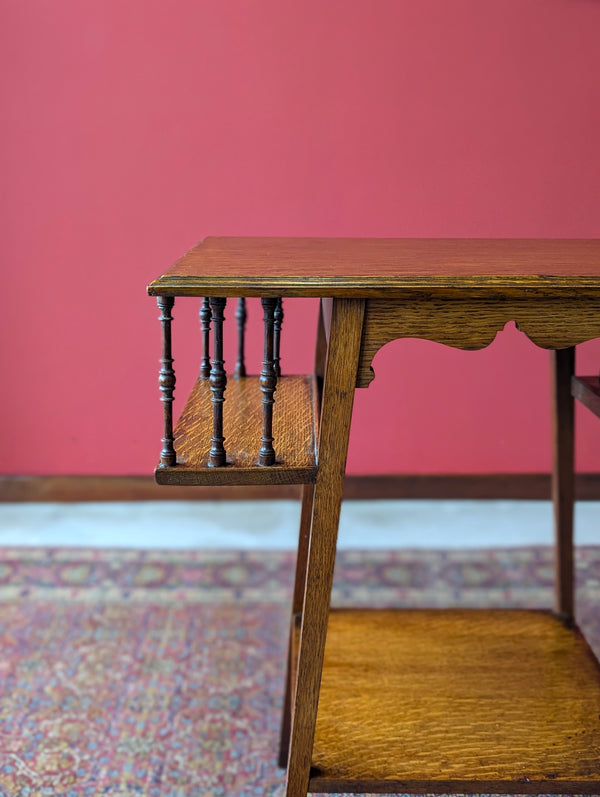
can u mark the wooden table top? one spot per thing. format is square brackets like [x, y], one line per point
[382, 267]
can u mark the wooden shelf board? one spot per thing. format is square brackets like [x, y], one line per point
[587, 390]
[293, 431]
[447, 701]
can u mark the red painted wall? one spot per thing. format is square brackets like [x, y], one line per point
[133, 128]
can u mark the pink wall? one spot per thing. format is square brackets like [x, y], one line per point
[133, 128]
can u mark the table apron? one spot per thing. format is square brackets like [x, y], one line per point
[555, 323]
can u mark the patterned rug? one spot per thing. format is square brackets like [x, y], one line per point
[160, 673]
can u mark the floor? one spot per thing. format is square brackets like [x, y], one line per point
[273, 524]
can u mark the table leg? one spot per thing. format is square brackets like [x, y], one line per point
[563, 482]
[308, 492]
[336, 412]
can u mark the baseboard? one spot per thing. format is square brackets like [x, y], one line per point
[516, 486]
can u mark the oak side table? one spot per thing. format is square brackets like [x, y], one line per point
[402, 700]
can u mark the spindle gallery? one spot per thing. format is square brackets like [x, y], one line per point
[450, 700]
[258, 449]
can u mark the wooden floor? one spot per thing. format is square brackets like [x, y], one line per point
[470, 701]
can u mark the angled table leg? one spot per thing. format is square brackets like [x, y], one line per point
[308, 491]
[336, 412]
[563, 480]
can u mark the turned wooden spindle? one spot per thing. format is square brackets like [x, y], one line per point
[166, 381]
[218, 383]
[240, 317]
[277, 335]
[268, 384]
[205, 317]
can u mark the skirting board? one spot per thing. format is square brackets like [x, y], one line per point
[514, 486]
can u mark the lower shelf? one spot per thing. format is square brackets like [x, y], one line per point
[294, 418]
[447, 701]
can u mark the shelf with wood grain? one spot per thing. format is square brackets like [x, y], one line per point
[294, 418]
[456, 701]
[586, 389]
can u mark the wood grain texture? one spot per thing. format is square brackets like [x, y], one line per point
[293, 430]
[336, 412]
[491, 701]
[563, 479]
[383, 267]
[469, 324]
[587, 390]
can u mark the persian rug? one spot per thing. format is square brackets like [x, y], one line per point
[161, 673]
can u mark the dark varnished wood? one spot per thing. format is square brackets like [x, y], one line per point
[384, 267]
[166, 381]
[205, 328]
[278, 319]
[268, 384]
[563, 479]
[473, 701]
[293, 427]
[241, 317]
[217, 457]
[467, 324]
[586, 389]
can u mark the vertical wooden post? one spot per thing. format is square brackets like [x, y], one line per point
[205, 326]
[338, 398]
[278, 318]
[563, 479]
[241, 316]
[218, 382]
[166, 381]
[268, 385]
